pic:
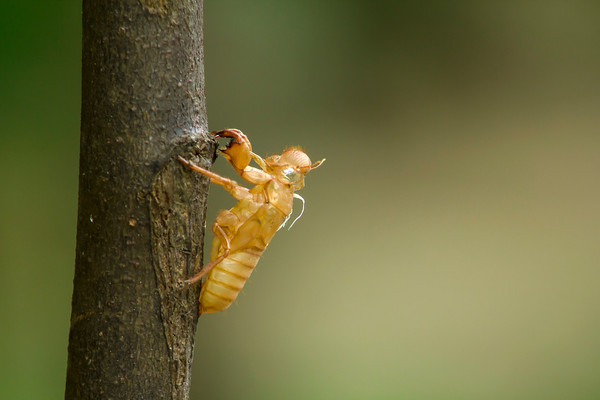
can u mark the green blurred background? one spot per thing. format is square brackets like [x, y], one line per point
[450, 244]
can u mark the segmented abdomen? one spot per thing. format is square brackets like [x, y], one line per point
[227, 279]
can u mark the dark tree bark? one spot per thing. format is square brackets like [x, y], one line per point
[141, 214]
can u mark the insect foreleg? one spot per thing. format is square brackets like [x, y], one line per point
[227, 247]
[259, 160]
[239, 154]
[255, 176]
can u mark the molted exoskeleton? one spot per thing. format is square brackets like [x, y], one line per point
[243, 232]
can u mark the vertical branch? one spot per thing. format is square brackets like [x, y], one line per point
[177, 221]
[140, 218]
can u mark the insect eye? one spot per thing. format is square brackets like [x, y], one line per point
[290, 174]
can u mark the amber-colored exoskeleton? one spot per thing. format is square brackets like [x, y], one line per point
[243, 232]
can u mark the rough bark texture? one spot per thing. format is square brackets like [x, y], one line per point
[141, 214]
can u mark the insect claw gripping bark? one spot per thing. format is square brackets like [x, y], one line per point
[243, 232]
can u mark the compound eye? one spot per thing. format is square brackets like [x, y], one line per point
[290, 174]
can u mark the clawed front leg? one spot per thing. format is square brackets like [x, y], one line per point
[238, 151]
[239, 154]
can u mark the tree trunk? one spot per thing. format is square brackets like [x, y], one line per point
[141, 214]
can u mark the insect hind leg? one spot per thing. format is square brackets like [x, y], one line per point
[206, 269]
